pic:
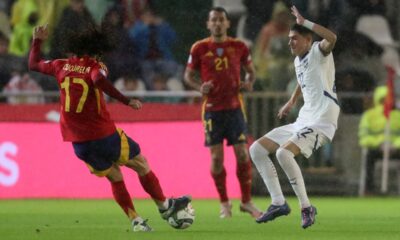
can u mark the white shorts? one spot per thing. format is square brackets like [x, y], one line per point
[308, 139]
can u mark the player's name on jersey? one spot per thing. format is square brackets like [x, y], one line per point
[76, 68]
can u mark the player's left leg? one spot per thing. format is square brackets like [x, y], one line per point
[243, 173]
[151, 185]
[305, 141]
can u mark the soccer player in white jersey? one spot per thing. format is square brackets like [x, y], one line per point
[316, 123]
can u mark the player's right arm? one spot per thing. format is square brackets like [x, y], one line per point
[192, 81]
[36, 63]
[99, 77]
[190, 76]
[284, 111]
[329, 38]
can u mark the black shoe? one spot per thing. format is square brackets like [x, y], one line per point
[175, 204]
[273, 212]
[308, 216]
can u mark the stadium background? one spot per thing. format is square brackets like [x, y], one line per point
[30, 142]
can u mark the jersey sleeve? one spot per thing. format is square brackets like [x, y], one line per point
[36, 63]
[246, 56]
[317, 53]
[194, 58]
[99, 77]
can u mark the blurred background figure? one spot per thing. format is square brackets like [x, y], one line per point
[372, 134]
[154, 39]
[122, 58]
[272, 57]
[129, 82]
[23, 83]
[9, 64]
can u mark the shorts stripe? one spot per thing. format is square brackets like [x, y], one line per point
[124, 156]
[242, 107]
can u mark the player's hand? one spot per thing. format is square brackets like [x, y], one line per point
[284, 111]
[247, 85]
[205, 88]
[299, 19]
[41, 32]
[135, 104]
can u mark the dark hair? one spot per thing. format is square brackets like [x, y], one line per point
[90, 41]
[301, 30]
[220, 10]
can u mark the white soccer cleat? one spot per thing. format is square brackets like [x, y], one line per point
[226, 210]
[140, 225]
[250, 208]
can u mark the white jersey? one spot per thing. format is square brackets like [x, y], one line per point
[316, 77]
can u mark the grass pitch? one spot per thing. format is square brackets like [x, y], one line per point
[338, 218]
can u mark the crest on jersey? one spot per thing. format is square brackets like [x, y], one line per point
[209, 54]
[220, 51]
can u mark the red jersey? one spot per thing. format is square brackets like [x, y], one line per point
[81, 82]
[220, 63]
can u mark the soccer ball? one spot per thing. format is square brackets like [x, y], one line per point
[183, 218]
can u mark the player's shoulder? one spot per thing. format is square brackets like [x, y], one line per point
[236, 41]
[202, 43]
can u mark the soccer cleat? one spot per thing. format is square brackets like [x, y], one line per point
[226, 210]
[250, 208]
[308, 216]
[273, 212]
[140, 225]
[175, 204]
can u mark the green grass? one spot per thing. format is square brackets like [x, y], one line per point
[338, 218]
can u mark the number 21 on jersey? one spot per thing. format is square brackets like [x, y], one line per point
[221, 63]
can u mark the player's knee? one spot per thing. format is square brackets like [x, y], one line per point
[257, 151]
[139, 164]
[283, 155]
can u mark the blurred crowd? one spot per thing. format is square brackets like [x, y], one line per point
[144, 58]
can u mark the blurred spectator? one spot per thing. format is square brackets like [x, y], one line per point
[154, 38]
[132, 10]
[328, 13]
[5, 26]
[258, 13]
[371, 134]
[76, 18]
[352, 80]
[25, 84]
[49, 13]
[122, 58]
[355, 8]
[24, 18]
[20, 41]
[272, 57]
[98, 8]
[129, 82]
[160, 83]
[9, 64]
[357, 51]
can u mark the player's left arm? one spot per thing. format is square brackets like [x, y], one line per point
[100, 80]
[329, 38]
[250, 76]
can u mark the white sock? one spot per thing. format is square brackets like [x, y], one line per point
[164, 205]
[266, 168]
[293, 172]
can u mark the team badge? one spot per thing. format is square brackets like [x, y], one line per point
[220, 51]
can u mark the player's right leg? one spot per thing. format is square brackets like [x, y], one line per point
[151, 185]
[122, 197]
[218, 174]
[259, 152]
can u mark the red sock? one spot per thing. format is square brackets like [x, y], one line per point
[151, 185]
[122, 197]
[243, 173]
[220, 183]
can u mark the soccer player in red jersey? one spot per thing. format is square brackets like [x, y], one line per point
[86, 123]
[219, 60]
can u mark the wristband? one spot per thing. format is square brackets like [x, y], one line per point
[308, 24]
